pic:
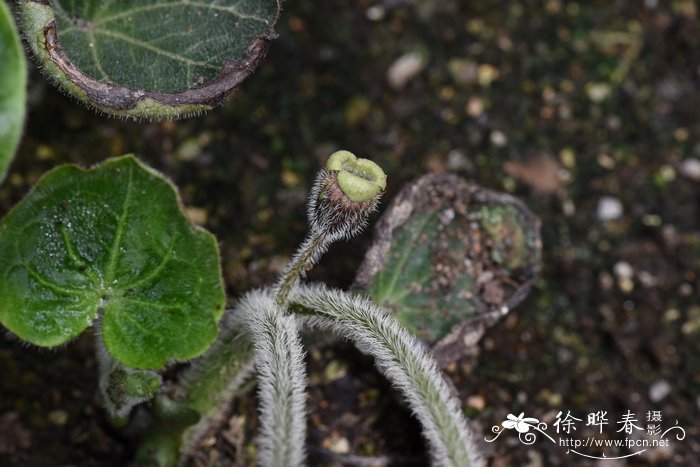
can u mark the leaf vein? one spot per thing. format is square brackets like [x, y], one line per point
[75, 257]
[93, 51]
[154, 49]
[149, 303]
[136, 323]
[206, 6]
[157, 270]
[104, 7]
[119, 234]
[49, 284]
[388, 292]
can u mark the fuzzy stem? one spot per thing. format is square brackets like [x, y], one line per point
[303, 260]
[214, 379]
[403, 361]
[279, 359]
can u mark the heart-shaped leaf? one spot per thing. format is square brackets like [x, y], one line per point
[150, 58]
[110, 241]
[446, 251]
[13, 84]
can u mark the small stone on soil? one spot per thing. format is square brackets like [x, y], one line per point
[58, 417]
[690, 168]
[404, 69]
[609, 209]
[659, 390]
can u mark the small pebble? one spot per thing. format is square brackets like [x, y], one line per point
[685, 290]
[609, 209]
[475, 107]
[476, 402]
[337, 444]
[463, 71]
[624, 273]
[498, 138]
[197, 215]
[404, 69]
[58, 417]
[487, 74]
[375, 13]
[659, 390]
[623, 269]
[335, 370]
[598, 92]
[189, 150]
[690, 169]
[647, 279]
[458, 161]
[672, 314]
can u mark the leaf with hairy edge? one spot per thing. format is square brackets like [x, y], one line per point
[150, 58]
[446, 253]
[13, 84]
[113, 242]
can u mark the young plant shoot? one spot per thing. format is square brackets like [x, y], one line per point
[80, 249]
[110, 247]
[344, 194]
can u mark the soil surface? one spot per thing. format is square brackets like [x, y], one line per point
[588, 112]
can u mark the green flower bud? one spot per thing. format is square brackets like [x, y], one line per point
[345, 193]
[360, 179]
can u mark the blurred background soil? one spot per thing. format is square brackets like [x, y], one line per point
[588, 111]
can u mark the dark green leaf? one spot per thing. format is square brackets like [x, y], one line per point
[110, 241]
[447, 251]
[13, 84]
[150, 58]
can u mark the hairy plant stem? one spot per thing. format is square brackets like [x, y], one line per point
[215, 379]
[403, 361]
[279, 359]
[303, 260]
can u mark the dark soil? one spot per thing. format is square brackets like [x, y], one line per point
[576, 108]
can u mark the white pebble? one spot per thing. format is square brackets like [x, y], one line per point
[458, 160]
[659, 390]
[404, 69]
[498, 138]
[598, 92]
[690, 168]
[623, 270]
[609, 208]
[339, 445]
[375, 13]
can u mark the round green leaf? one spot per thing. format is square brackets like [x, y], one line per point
[113, 242]
[13, 84]
[150, 58]
[447, 252]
